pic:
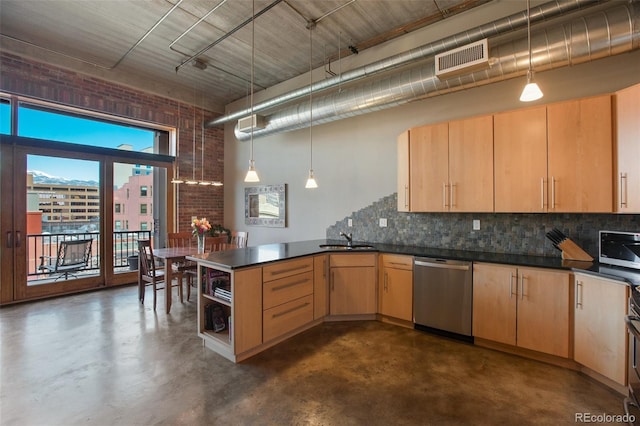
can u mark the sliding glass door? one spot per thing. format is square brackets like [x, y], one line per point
[77, 193]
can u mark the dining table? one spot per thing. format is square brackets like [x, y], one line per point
[168, 256]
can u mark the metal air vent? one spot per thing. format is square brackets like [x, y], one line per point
[254, 121]
[462, 60]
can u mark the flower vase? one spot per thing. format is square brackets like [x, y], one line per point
[201, 243]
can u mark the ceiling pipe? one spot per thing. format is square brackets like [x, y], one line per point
[604, 33]
[498, 27]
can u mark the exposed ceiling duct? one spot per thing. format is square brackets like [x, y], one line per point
[600, 34]
[501, 26]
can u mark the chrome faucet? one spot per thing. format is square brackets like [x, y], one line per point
[348, 236]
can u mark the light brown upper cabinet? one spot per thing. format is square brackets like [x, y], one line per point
[627, 166]
[471, 164]
[404, 204]
[580, 156]
[520, 160]
[450, 167]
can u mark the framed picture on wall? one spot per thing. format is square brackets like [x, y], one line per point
[266, 205]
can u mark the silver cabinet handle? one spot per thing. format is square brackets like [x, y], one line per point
[578, 295]
[623, 190]
[553, 193]
[406, 196]
[441, 265]
[542, 203]
[9, 240]
[288, 311]
[444, 195]
[511, 277]
[386, 282]
[452, 200]
[522, 278]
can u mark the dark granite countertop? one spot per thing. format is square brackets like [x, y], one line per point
[267, 253]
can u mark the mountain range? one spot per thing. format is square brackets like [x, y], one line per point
[44, 178]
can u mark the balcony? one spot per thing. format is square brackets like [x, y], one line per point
[124, 245]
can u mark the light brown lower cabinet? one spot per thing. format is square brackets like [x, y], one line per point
[320, 286]
[287, 296]
[352, 284]
[395, 293]
[524, 307]
[600, 335]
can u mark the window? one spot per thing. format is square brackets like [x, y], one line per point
[118, 225]
[38, 121]
[143, 209]
[144, 191]
[117, 208]
[144, 226]
[5, 117]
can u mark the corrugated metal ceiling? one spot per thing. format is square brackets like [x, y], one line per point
[108, 36]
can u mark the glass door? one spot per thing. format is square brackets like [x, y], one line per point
[62, 219]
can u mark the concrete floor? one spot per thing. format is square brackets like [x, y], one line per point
[102, 359]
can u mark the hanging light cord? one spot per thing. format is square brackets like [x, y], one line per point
[529, 31]
[311, 94]
[253, 47]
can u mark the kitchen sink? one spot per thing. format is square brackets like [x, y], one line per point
[347, 247]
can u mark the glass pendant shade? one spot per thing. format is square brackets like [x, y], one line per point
[252, 175]
[531, 91]
[311, 182]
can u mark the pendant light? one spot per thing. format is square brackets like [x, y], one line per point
[252, 175]
[176, 177]
[193, 180]
[311, 181]
[531, 91]
[202, 181]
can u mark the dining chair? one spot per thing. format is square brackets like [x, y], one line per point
[239, 238]
[217, 243]
[187, 267]
[149, 275]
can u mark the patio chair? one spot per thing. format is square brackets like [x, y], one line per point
[73, 255]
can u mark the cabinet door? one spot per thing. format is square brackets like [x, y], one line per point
[429, 167]
[404, 190]
[581, 155]
[543, 311]
[320, 286]
[247, 309]
[520, 160]
[353, 291]
[627, 177]
[494, 303]
[471, 164]
[600, 336]
[396, 292]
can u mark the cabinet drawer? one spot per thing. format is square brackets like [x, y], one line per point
[280, 291]
[346, 260]
[287, 268]
[289, 316]
[397, 261]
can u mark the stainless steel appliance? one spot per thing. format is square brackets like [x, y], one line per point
[442, 296]
[620, 249]
[632, 402]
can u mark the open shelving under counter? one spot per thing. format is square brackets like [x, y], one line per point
[229, 310]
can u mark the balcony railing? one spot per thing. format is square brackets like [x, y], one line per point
[124, 246]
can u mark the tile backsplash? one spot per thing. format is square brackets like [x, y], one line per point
[514, 233]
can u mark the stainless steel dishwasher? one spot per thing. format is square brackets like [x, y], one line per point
[442, 296]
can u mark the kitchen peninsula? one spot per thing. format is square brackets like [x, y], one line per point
[280, 290]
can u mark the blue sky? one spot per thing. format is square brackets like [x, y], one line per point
[45, 125]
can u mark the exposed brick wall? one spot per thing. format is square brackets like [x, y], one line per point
[20, 76]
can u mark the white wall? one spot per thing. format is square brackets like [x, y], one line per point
[355, 159]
